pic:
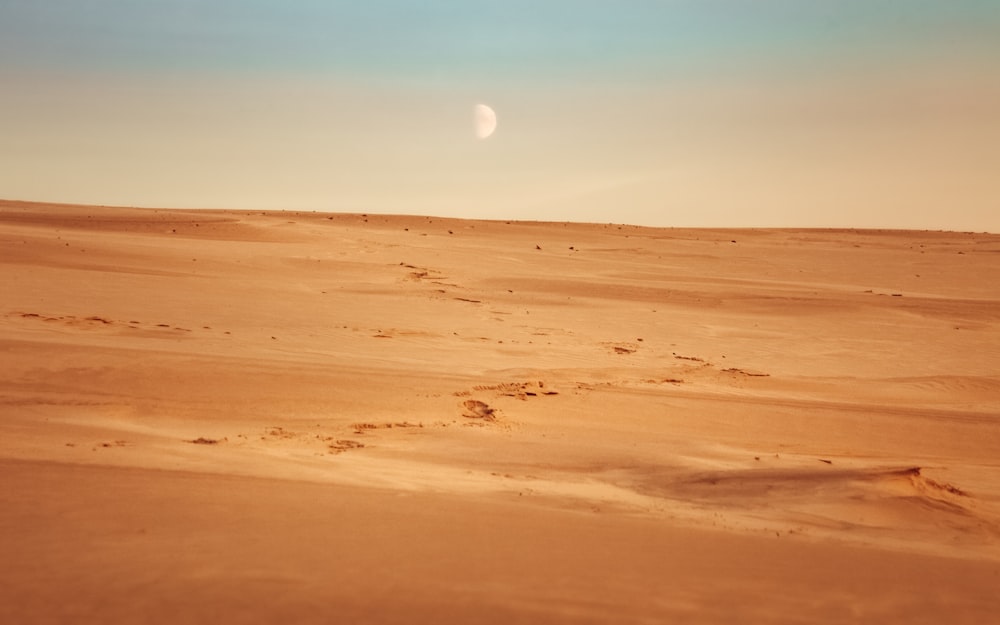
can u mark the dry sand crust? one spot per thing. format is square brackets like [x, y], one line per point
[222, 416]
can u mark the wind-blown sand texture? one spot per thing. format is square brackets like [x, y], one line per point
[232, 417]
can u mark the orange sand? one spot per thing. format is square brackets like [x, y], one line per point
[231, 417]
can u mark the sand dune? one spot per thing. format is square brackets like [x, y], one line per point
[248, 417]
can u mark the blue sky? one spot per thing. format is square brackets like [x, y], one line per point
[464, 38]
[671, 112]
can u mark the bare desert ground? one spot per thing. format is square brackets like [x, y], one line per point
[232, 417]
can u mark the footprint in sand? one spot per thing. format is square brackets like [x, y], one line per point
[475, 409]
[621, 348]
[115, 444]
[94, 322]
[340, 446]
[484, 413]
[361, 428]
[750, 374]
[334, 445]
[275, 432]
[201, 440]
[520, 390]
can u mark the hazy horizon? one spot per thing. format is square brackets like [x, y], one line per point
[677, 113]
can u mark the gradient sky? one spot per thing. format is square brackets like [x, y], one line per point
[865, 113]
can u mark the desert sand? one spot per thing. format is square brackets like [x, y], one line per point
[233, 417]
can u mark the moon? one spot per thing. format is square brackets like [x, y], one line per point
[485, 121]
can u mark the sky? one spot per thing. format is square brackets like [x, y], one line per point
[708, 113]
